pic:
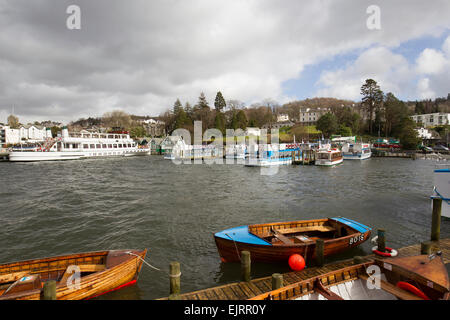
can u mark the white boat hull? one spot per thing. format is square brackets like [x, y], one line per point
[267, 162]
[19, 156]
[442, 189]
[327, 163]
[359, 156]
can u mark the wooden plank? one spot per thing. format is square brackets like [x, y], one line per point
[281, 237]
[4, 278]
[306, 229]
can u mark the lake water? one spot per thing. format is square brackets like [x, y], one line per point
[54, 208]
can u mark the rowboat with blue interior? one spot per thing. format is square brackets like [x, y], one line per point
[278, 241]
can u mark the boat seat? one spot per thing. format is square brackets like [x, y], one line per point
[306, 229]
[303, 239]
[281, 237]
[83, 268]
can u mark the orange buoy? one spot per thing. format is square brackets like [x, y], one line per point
[296, 262]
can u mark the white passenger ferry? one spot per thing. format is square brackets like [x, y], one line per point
[329, 157]
[356, 151]
[75, 145]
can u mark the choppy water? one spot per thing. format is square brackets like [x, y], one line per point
[55, 208]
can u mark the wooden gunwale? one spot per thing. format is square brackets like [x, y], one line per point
[91, 284]
[309, 283]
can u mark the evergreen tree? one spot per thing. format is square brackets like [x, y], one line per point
[177, 106]
[220, 122]
[372, 99]
[202, 103]
[327, 124]
[241, 120]
[219, 103]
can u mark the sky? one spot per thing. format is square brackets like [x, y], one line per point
[141, 55]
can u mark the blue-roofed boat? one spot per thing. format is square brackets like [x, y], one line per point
[273, 242]
[274, 155]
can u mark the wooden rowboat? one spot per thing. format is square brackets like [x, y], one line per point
[278, 241]
[406, 278]
[100, 272]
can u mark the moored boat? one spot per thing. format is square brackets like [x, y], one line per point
[75, 146]
[442, 188]
[100, 272]
[407, 278]
[356, 151]
[329, 157]
[274, 242]
[274, 155]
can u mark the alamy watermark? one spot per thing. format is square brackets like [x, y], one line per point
[373, 22]
[73, 21]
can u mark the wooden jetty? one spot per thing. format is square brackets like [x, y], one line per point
[245, 290]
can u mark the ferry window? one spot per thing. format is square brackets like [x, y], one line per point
[120, 145]
[85, 146]
[110, 146]
[99, 146]
[104, 146]
[66, 145]
[115, 146]
[75, 146]
[92, 146]
[129, 145]
[110, 136]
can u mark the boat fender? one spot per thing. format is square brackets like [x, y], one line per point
[391, 252]
[409, 287]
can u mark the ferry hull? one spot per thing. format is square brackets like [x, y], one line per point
[44, 156]
[60, 156]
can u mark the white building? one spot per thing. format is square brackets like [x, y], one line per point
[424, 133]
[282, 117]
[30, 133]
[310, 116]
[431, 119]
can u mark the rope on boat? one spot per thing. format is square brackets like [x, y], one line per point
[131, 253]
[447, 200]
[237, 251]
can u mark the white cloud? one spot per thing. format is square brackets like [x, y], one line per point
[390, 70]
[431, 61]
[423, 87]
[141, 55]
[427, 78]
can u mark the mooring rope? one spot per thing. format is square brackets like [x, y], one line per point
[131, 253]
[447, 200]
[237, 251]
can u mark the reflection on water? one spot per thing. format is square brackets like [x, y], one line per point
[67, 207]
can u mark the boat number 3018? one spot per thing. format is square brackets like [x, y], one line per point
[356, 239]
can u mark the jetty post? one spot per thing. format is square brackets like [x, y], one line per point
[49, 290]
[175, 280]
[436, 219]
[381, 241]
[245, 265]
[277, 281]
[425, 247]
[320, 244]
